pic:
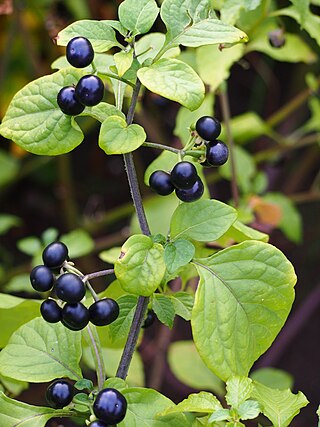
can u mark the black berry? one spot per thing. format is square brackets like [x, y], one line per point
[70, 288]
[160, 182]
[68, 103]
[217, 153]
[42, 278]
[104, 312]
[54, 255]
[150, 318]
[89, 90]
[98, 423]
[79, 52]
[110, 406]
[184, 175]
[59, 394]
[75, 316]
[50, 311]
[208, 128]
[192, 194]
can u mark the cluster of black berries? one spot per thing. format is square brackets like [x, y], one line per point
[89, 89]
[70, 290]
[183, 179]
[110, 407]
[209, 128]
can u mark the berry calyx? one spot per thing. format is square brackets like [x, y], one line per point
[70, 288]
[89, 90]
[160, 182]
[75, 316]
[110, 406]
[192, 194]
[55, 255]
[217, 153]
[59, 394]
[208, 128]
[50, 311]
[68, 103]
[104, 312]
[79, 52]
[184, 175]
[42, 278]
[150, 318]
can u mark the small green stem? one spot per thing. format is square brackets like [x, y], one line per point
[94, 342]
[121, 79]
[162, 147]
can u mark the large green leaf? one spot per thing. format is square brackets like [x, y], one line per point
[35, 122]
[138, 16]
[119, 329]
[175, 80]
[141, 265]
[231, 9]
[14, 413]
[40, 352]
[204, 221]
[242, 301]
[280, 406]
[116, 137]
[273, 378]
[100, 34]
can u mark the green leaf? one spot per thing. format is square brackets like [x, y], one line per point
[110, 255]
[204, 220]
[102, 111]
[231, 9]
[164, 309]
[280, 406]
[202, 402]
[13, 387]
[138, 16]
[123, 61]
[178, 254]
[20, 283]
[240, 232]
[249, 410]
[39, 352]
[35, 122]
[220, 415]
[15, 312]
[238, 391]
[100, 34]
[9, 167]
[148, 46]
[165, 161]
[29, 245]
[273, 378]
[84, 384]
[14, 413]
[118, 330]
[175, 80]
[144, 407]
[79, 243]
[187, 366]
[242, 301]
[141, 265]
[116, 137]
[8, 221]
[183, 304]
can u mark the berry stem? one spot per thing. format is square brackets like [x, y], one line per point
[96, 274]
[225, 107]
[162, 147]
[90, 334]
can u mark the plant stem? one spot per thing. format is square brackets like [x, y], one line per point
[93, 340]
[225, 107]
[96, 274]
[161, 147]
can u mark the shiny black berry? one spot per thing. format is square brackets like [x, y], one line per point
[160, 182]
[192, 194]
[68, 103]
[70, 288]
[98, 423]
[104, 312]
[89, 90]
[208, 128]
[42, 278]
[217, 153]
[79, 52]
[59, 394]
[50, 311]
[54, 255]
[75, 316]
[110, 406]
[150, 318]
[184, 175]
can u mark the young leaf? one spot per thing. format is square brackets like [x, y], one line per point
[238, 391]
[100, 34]
[178, 254]
[138, 16]
[116, 137]
[242, 301]
[280, 406]
[164, 309]
[202, 402]
[175, 80]
[183, 304]
[204, 220]
[102, 111]
[148, 46]
[141, 265]
[123, 61]
[35, 122]
[39, 352]
[240, 232]
[14, 413]
[249, 410]
[220, 415]
[119, 329]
